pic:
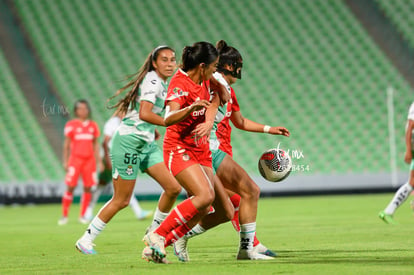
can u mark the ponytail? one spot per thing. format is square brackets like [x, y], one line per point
[229, 56]
[134, 83]
[199, 52]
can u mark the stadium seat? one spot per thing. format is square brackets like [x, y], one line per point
[25, 154]
[308, 65]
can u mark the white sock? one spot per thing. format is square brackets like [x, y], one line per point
[135, 206]
[95, 196]
[399, 197]
[94, 229]
[196, 230]
[247, 232]
[158, 218]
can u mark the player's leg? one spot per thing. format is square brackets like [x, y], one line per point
[197, 181]
[124, 173]
[153, 165]
[236, 179]
[399, 198]
[172, 189]
[257, 245]
[140, 214]
[89, 181]
[223, 205]
[103, 179]
[123, 189]
[223, 212]
[71, 180]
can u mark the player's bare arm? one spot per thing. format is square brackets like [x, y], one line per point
[146, 114]
[173, 113]
[245, 124]
[204, 129]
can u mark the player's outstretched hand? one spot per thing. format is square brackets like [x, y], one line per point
[279, 131]
[408, 157]
[203, 129]
[199, 104]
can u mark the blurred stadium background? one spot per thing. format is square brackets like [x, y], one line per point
[338, 74]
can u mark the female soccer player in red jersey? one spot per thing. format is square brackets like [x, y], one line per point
[133, 147]
[243, 190]
[189, 118]
[80, 155]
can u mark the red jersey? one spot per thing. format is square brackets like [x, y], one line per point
[224, 129]
[185, 92]
[81, 135]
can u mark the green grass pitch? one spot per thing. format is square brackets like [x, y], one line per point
[313, 235]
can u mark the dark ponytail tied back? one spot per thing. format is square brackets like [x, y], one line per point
[229, 56]
[199, 52]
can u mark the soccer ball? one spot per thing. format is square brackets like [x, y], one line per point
[275, 165]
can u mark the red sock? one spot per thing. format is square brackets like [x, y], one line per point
[66, 202]
[180, 215]
[235, 200]
[176, 234]
[255, 241]
[85, 200]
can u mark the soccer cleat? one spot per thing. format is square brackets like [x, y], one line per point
[251, 255]
[63, 221]
[84, 220]
[85, 247]
[144, 214]
[386, 218]
[180, 250]
[261, 249]
[149, 255]
[156, 243]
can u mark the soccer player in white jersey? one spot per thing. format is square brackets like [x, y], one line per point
[105, 176]
[242, 190]
[133, 145]
[404, 191]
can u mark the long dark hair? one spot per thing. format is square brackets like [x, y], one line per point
[229, 55]
[135, 81]
[199, 52]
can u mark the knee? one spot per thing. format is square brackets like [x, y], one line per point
[125, 202]
[204, 201]
[173, 191]
[251, 190]
[208, 198]
[120, 203]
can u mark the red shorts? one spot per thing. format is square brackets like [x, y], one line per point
[177, 159]
[84, 167]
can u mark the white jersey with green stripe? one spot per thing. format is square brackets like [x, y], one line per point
[221, 113]
[152, 89]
